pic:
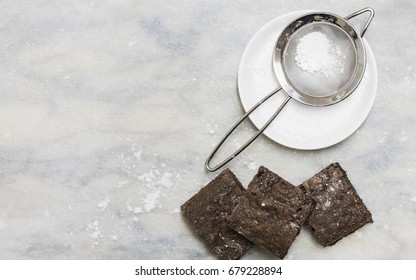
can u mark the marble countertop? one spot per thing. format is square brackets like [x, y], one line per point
[108, 110]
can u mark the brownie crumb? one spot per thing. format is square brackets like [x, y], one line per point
[207, 213]
[271, 212]
[338, 210]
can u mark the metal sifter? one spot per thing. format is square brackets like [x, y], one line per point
[312, 82]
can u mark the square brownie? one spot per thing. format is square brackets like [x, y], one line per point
[207, 213]
[338, 210]
[271, 213]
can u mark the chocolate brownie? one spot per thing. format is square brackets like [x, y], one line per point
[271, 212]
[207, 213]
[338, 211]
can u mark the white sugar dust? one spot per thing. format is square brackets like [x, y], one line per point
[318, 55]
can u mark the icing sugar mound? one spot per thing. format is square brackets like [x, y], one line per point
[316, 54]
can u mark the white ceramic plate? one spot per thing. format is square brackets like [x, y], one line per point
[299, 126]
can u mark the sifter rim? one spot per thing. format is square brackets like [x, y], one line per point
[284, 39]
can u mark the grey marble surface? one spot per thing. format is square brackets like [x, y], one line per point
[108, 110]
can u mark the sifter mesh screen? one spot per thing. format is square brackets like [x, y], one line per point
[319, 59]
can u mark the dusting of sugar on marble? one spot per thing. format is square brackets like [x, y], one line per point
[165, 180]
[137, 153]
[132, 42]
[211, 128]
[122, 183]
[94, 232]
[137, 210]
[129, 208]
[252, 165]
[151, 201]
[149, 177]
[152, 184]
[134, 209]
[104, 203]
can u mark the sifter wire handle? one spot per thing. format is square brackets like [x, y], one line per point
[237, 152]
[370, 18]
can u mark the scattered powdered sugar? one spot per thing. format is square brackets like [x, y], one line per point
[252, 165]
[316, 54]
[94, 232]
[165, 180]
[211, 128]
[103, 204]
[150, 176]
[134, 209]
[140, 185]
[137, 210]
[137, 152]
[153, 183]
[155, 177]
[151, 201]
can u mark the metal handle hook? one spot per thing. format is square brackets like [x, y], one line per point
[233, 155]
[370, 18]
